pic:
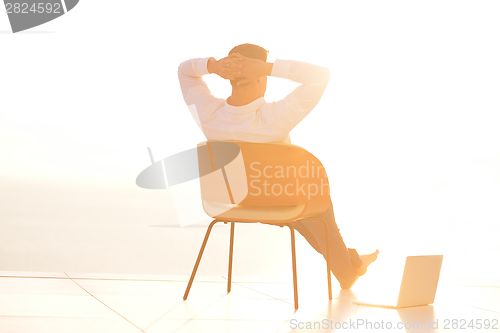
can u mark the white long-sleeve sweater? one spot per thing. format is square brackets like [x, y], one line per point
[257, 121]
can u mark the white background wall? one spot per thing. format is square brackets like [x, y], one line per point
[407, 129]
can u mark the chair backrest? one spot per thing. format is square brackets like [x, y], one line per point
[245, 174]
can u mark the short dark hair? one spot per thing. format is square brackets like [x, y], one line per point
[250, 51]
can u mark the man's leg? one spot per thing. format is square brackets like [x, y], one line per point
[343, 261]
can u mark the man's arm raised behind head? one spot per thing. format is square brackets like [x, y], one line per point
[285, 114]
[194, 89]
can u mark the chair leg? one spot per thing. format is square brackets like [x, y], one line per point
[328, 259]
[230, 267]
[199, 258]
[294, 267]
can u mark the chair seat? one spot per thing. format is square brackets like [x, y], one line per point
[252, 213]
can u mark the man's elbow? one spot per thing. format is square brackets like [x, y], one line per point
[183, 67]
[326, 74]
[321, 76]
[179, 68]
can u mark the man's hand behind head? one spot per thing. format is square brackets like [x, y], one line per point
[252, 69]
[227, 68]
[240, 68]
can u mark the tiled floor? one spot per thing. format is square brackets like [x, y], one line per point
[68, 302]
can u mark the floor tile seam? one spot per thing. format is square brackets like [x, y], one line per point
[105, 304]
[223, 319]
[143, 280]
[55, 317]
[468, 286]
[199, 312]
[291, 300]
[133, 279]
[34, 277]
[259, 292]
[477, 307]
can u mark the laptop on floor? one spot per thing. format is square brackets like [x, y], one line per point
[418, 285]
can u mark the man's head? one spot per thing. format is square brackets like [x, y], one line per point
[254, 52]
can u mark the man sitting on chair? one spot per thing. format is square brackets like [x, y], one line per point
[246, 116]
